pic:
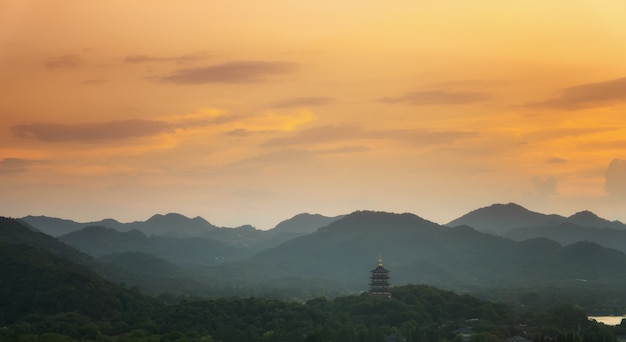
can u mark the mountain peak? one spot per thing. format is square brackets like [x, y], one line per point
[363, 220]
[500, 218]
[589, 219]
[245, 228]
[174, 224]
[508, 208]
[168, 216]
[304, 223]
[585, 215]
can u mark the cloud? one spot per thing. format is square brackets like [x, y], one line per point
[276, 157]
[319, 134]
[437, 97]
[328, 133]
[423, 137]
[471, 83]
[544, 187]
[615, 178]
[556, 160]
[240, 132]
[599, 94]
[92, 132]
[15, 165]
[303, 102]
[346, 149]
[138, 59]
[231, 72]
[60, 62]
[295, 155]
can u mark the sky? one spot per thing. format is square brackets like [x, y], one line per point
[250, 112]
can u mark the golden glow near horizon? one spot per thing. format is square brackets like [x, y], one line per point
[252, 112]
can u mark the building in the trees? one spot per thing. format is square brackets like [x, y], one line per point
[379, 281]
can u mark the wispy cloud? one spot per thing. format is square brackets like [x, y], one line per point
[231, 72]
[470, 83]
[556, 160]
[138, 59]
[437, 97]
[91, 132]
[205, 120]
[328, 133]
[598, 94]
[276, 157]
[295, 155]
[65, 61]
[15, 165]
[303, 102]
[320, 134]
[239, 132]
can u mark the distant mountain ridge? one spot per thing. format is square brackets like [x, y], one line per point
[172, 223]
[496, 219]
[338, 257]
[53, 226]
[502, 218]
[304, 223]
[588, 219]
[567, 233]
[211, 247]
[420, 251]
[176, 225]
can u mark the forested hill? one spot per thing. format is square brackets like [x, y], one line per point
[34, 280]
[113, 269]
[14, 231]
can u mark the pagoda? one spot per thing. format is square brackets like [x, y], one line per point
[379, 281]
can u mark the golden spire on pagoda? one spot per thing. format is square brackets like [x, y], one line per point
[380, 260]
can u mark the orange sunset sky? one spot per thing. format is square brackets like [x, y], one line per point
[249, 112]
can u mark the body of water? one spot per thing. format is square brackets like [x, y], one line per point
[608, 320]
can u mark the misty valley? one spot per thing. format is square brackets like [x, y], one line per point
[498, 273]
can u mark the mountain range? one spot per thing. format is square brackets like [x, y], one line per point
[502, 245]
[158, 224]
[179, 226]
[497, 219]
[420, 251]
